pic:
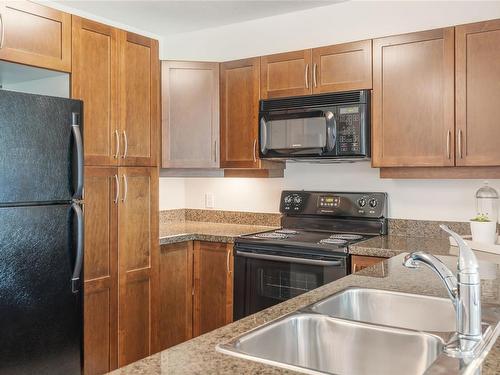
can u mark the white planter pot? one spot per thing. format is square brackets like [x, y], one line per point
[484, 232]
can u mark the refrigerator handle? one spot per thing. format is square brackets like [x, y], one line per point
[77, 270]
[75, 126]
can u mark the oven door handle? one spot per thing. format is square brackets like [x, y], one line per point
[278, 258]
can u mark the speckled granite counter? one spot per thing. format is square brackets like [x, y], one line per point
[179, 231]
[389, 246]
[198, 356]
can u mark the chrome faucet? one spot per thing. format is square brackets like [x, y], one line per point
[464, 290]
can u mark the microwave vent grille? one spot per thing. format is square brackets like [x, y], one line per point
[349, 97]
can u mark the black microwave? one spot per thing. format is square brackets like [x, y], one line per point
[333, 126]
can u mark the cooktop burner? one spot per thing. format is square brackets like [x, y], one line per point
[346, 236]
[286, 231]
[272, 235]
[333, 241]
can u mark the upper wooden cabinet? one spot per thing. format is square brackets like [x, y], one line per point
[239, 116]
[342, 67]
[190, 114]
[213, 286]
[95, 81]
[139, 95]
[413, 99]
[478, 94]
[34, 34]
[286, 74]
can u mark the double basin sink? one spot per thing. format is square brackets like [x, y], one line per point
[356, 331]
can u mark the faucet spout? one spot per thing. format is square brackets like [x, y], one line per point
[464, 290]
[414, 259]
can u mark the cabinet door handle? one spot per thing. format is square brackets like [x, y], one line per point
[125, 141]
[448, 142]
[460, 143]
[306, 76]
[2, 32]
[315, 70]
[227, 261]
[117, 186]
[125, 188]
[117, 144]
[254, 152]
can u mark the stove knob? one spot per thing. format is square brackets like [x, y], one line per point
[297, 200]
[373, 203]
[362, 202]
[288, 199]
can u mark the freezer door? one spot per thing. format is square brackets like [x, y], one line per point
[40, 315]
[38, 148]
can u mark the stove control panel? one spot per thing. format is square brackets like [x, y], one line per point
[367, 205]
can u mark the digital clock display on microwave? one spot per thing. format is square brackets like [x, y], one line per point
[328, 201]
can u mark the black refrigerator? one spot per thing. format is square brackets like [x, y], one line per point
[41, 234]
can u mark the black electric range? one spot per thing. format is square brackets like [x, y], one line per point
[310, 250]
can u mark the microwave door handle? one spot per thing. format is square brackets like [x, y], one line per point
[263, 136]
[331, 131]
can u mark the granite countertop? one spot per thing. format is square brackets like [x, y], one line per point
[199, 355]
[179, 231]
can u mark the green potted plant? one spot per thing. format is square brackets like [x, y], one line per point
[483, 229]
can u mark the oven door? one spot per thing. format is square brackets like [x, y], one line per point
[266, 278]
[297, 133]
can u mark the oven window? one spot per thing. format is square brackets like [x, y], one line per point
[296, 133]
[283, 285]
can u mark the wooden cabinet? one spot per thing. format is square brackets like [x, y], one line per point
[213, 286]
[286, 74]
[94, 80]
[196, 282]
[413, 99]
[190, 114]
[34, 34]
[138, 263]
[176, 299]
[100, 270]
[342, 67]
[359, 262]
[139, 85]
[239, 117]
[478, 94]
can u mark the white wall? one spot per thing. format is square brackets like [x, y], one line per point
[349, 21]
[337, 23]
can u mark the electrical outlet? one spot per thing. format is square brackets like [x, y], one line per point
[209, 200]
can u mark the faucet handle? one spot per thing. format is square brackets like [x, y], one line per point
[467, 261]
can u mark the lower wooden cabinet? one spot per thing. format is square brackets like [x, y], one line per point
[196, 290]
[359, 262]
[213, 286]
[121, 266]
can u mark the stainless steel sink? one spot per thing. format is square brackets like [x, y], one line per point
[320, 344]
[412, 311]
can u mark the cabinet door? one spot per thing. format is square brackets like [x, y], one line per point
[213, 286]
[239, 86]
[139, 77]
[478, 93]
[138, 263]
[413, 99]
[360, 262]
[100, 270]
[34, 34]
[176, 293]
[286, 74]
[94, 80]
[190, 114]
[342, 67]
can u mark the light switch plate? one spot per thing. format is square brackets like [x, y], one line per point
[209, 200]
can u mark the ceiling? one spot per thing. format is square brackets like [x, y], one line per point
[166, 17]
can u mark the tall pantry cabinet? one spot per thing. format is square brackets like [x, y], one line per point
[116, 74]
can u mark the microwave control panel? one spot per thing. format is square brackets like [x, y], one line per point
[349, 130]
